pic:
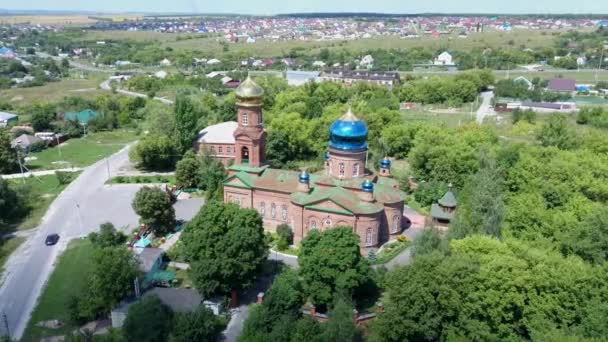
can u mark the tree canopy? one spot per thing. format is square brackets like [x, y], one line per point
[155, 209]
[226, 247]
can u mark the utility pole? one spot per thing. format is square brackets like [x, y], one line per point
[8, 331]
[58, 147]
[20, 164]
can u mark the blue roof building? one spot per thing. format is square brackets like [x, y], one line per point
[83, 117]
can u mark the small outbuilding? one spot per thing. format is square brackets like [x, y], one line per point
[7, 119]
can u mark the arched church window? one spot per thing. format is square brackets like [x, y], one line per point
[369, 237]
[284, 212]
[313, 224]
[262, 209]
[273, 210]
[355, 169]
[396, 224]
[341, 169]
[245, 119]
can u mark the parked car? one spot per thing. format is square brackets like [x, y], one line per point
[51, 239]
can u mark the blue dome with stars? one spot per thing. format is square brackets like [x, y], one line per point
[348, 133]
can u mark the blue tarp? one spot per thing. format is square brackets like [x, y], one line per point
[143, 243]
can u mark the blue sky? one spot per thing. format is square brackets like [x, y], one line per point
[286, 6]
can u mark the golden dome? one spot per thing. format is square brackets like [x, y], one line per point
[248, 89]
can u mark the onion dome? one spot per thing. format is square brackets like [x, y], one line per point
[348, 133]
[367, 186]
[248, 89]
[385, 163]
[304, 177]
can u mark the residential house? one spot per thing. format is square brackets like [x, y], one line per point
[26, 142]
[581, 61]
[213, 61]
[318, 64]
[150, 259]
[83, 117]
[7, 53]
[162, 74]
[367, 61]
[562, 85]
[297, 78]
[178, 299]
[165, 62]
[445, 58]
[7, 119]
[349, 77]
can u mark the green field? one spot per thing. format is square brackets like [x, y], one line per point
[265, 48]
[82, 151]
[53, 91]
[67, 280]
[44, 190]
[7, 247]
[449, 119]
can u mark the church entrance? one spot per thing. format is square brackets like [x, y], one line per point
[244, 155]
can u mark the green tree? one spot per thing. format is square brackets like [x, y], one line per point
[8, 155]
[481, 207]
[11, 204]
[307, 330]
[331, 261]
[341, 325]
[155, 153]
[200, 325]
[211, 176]
[186, 171]
[590, 239]
[43, 116]
[226, 247]
[556, 132]
[110, 281]
[285, 237]
[186, 119]
[108, 236]
[399, 139]
[428, 241]
[155, 209]
[148, 320]
[277, 148]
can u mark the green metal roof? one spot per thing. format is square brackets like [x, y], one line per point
[448, 200]
[438, 213]
[82, 117]
[247, 168]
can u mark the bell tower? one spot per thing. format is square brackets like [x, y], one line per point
[250, 137]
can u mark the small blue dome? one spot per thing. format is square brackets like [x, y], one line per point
[385, 163]
[367, 186]
[348, 133]
[304, 177]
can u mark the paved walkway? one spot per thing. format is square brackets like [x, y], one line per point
[41, 173]
[486, 106]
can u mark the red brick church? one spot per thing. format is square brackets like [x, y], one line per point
[343, 194]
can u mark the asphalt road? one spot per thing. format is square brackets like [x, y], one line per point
[78, 210]
[105, 85]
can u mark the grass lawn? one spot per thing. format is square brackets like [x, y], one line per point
[53, 91]
[391, 250]
[82, 151]
[44, 189]
[66, 280]
[7, 247]
[142, 179]
[450, 119]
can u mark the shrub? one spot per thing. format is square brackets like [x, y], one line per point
[285, 237]
[63, 178]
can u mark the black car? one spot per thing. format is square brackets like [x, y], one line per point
[51, 239]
